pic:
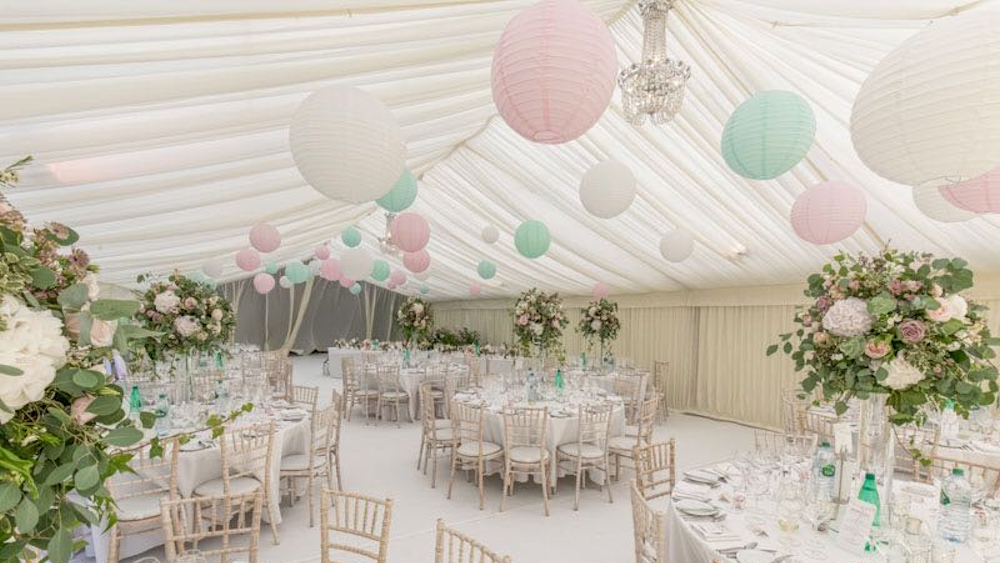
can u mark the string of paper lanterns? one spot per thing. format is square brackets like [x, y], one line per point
[418, 261]
[402, 194]
[355, 289]
[265, 238]
[410, 231]
[490, 234]
[330, 269]
[676, 245]
[932, 203]
[351, 237]
[263, 283]
[607, 189]
[486, 269]
[380, 270]
[248, 259]
[321, 252]
[532, 239]
[768, 134]
[829, 212]
[978, 195]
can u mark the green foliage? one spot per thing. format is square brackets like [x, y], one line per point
[415, 320]
[599, 322]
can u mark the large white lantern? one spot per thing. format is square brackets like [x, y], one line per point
[677, 245]
[356, 263]
[607, 189]
[932, 203]
[347, 144]
[929, 113]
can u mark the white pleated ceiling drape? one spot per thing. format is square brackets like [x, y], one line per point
[160, 130]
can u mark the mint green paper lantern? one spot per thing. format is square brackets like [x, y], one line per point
[355, 289]
[532, 239]
[351, 237]
[487, 269]
[402, 194]
[380, 270]
[271, 268]
[297, 272]
[424, 289]
[768, 134]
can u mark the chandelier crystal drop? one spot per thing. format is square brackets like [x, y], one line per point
[385, 242]
[655, 86]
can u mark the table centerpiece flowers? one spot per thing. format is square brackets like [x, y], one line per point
[599, 322]
[415, 320]
[539, 321]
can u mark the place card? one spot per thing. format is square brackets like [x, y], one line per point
[856, 526]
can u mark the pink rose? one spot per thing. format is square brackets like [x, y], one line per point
[522, 320]
[823, 303]
[821, 338]
[876, 348]
[807, 320]
[78, 410]
[190, 303]
[912, 331]
[854, 285]
[217, 314]
[896, 287]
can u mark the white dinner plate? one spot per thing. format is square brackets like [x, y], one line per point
[696, 507]
[754, 556]
[699, 476]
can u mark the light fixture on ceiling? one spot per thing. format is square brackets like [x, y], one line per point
[655, 86]
[385, 242]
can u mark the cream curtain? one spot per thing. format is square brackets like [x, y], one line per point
[715, 341]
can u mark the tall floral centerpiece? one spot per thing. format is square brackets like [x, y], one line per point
[599, 321]
[60, 403]
[192, 318]
[893, 330]
[539, 321]
[415, 320]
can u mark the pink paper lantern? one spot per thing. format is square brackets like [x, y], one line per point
[397, 277]
[829, 212]
[554, 71]
[474, 289]
[346, 283]
[601, 291]
[391, 285]
[330, 269]
[410, 231]
[321, 252]
[417, 262]
[248, 260]
[978, 195]
[263, 283]
[265, 238]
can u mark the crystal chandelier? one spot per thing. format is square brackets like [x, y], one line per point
[654, 87]
[385, 242]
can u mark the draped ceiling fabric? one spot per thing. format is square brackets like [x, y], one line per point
[160, 130]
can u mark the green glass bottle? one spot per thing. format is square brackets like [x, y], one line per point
[583, 360]
[560, 381]
[135, 401]
[869, 494]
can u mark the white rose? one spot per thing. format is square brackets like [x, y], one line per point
[33, 343]
[958, 305]
[102, 333]
[167, 302]
[418, 308]
[186, 325]
[902, 374]
[537, 328]
[217, 314]
[93, 289]
[596, 325]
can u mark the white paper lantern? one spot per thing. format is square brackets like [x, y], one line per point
[314, 266]
[212, 268]
[285, 282]
[607, 189]
[490, 234]
[677, 245]
[347, 144]
[932, 203]
[930, 110]
[356, 264]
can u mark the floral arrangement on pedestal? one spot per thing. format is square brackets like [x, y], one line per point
[189, 314]
[415, 320]
[60, 402]
[539, 321]
[599, 322]
[894, 324]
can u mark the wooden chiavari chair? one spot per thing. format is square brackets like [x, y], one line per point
[624, 446]
[649, 529]
[322, 459]
[390, 392]
[473, 451]
[355, 389]
[247, 452]
[984, 477]
[436, 435]
[304, 396]
[651, 461]
[590, 452]
[629, 388]
[185, 523]
[661, 374]
[524, 449]
[359, 517]
[137, 494]
[452, 546]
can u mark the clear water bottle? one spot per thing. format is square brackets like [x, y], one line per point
[825, 472]
[162, 411]
[949, 423]
[221, 396]
[531, 384]
[955, 519]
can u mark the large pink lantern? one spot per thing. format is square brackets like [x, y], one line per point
[475, 289]
[979, 195]
[321, 252]
[248, 260]
[410, 232]
[554, 71]
[263, 283]
[330, 269]
[601, 291]
[417, 262]
[265, 238]
[829, 212]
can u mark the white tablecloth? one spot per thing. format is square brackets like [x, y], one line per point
[195, 468]
[336, 354]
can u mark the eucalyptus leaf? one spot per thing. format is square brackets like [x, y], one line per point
[74, 297]
[60, 474]
[10, 370]
[87, 477]
[105, 404]
[113, 309]
[43, 278]
[60, 547]
[10, 495]
[26, 516]
[88, 379]
[123, 436]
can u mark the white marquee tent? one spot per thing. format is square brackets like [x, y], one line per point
[160, 130]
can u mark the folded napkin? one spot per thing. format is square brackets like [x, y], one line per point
[715, 532]
[984, 447]
[693, 491]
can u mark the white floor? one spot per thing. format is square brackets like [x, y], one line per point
[381, 461]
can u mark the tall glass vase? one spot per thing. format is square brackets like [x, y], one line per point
[876, 443]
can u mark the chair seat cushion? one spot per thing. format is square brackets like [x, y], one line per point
[443, 434]
[588, 451]
[365, 392]
[139, 507]
[442, 423]
[300, 462]
[237, 486]
[625, 443]
[393, 395]
[526, 454]
[631, 430]
[471, 449]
